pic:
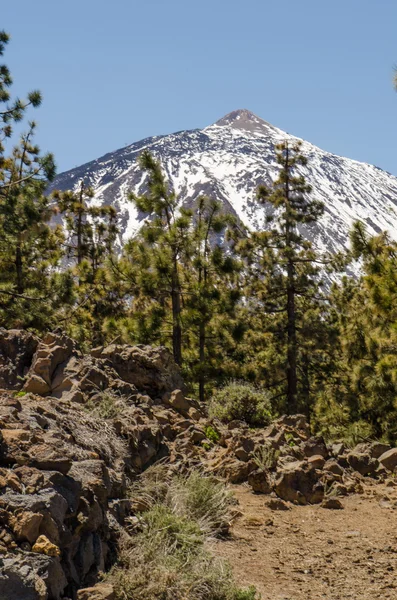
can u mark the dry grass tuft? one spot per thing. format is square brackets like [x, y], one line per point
[92, 433]
[168, 558]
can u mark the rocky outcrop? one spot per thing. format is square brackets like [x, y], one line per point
[16, 354]
[286, 462]
[83, 427]
[80, 429]
[60, 370]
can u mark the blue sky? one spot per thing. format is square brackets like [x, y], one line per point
[112, 73]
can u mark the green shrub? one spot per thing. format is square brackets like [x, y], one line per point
[248, 594]
[290, 440]
[243, 402]
[212, 434]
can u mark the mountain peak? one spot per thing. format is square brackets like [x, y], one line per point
[244, 119]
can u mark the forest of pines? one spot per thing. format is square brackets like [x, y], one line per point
[231, 304]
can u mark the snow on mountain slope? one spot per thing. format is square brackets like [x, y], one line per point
[227, 161]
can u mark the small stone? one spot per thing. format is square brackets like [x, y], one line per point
[242, 454]
[194, 414]
[277, 504]
[197, 436]
[352, 534]
[337, 449]
[332, 466]
[317, 461]
[44, 546]
[332, 503]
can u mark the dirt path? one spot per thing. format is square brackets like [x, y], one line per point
[311, 553]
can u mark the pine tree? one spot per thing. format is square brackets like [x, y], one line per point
[366, 316]
[284, 276]
[211, 291]
[91, 230]
[12, 110]
[182, 280]
[30, 249]
[157, 253]
[90, 246]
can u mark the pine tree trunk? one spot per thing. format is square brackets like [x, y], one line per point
[80, 227]
[176, 318]
[292, 382]
[201, 361]
[306, 386]
[18, 268]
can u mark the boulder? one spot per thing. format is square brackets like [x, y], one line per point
[52, 353]
[315, 446]
[299, 483]
[8, 479]
[94, 478]
[377, 449]
[339, 489]
[317, 461]
[152, 370]
[49, 458]
[277, 440]
[297, 423]
[389, 459]
[31, 576]
[259, 481]
[47, 502]
[176, 400]
[337, 449]
[362, 463]
[243, 446]
[332, 466]
[236, 471]
[197, 435]
[26, 526]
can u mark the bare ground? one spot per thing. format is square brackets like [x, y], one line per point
[313, 553]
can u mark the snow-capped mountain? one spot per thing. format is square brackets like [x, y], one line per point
[227, 161]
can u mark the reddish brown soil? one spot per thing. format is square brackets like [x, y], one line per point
[312, 553]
